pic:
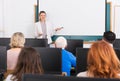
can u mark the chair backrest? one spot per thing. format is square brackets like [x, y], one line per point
[3, 59]
[116, 43]
[73, 44]
[36, 42]
[34, 77]
[81, 56]
[51, 59]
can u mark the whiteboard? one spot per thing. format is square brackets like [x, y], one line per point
[117, 21]
[78, 17]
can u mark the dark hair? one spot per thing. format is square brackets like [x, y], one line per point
[28, 62]
[42, 12]
[109, 36]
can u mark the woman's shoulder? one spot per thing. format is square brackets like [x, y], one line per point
[14, 50]
[82, 74]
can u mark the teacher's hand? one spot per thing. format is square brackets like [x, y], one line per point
[57, 29]
[40, 34]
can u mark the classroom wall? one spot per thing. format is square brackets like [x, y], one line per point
[1, 18]
[18, 17]
[115, 16]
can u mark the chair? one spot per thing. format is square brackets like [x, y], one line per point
[73, 44]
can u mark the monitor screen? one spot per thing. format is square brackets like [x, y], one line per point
[81, 56]
[116, 43]
[31, 77]
[36, 42]
[3, 59]
[117, 51]
[72, 44]
[28, 42]
[4, 41]
[51, 59]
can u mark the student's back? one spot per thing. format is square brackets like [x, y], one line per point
[16, 43]
[102, 62]
[28, 62]
[68, 59]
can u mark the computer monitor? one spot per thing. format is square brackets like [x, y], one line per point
[117, 51]
[73, 44]
[116, 43]
[34, 77]
[3, 59]
[36, 42]
[28, 42]
[4, 41]
[51, 59]
[81, 56]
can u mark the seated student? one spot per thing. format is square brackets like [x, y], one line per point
[109, 37]
[68, 59]
[102, 62]
[16, 43]
[28, 62]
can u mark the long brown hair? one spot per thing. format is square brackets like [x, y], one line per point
[102, 61]
[28, 62]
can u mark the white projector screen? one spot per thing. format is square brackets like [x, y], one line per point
[78, 17]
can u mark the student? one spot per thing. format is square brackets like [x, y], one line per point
[102, 62]
[17, 41]
[109, 37]
[43, 28]
[28, 62]
[68, 59]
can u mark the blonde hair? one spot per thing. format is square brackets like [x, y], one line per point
[61, 42]
[102, 61]
[17, 40]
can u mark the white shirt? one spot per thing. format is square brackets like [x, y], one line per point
[50, 30]
[82, 74]
[9, 77]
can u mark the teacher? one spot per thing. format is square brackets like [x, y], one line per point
[44, 29]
